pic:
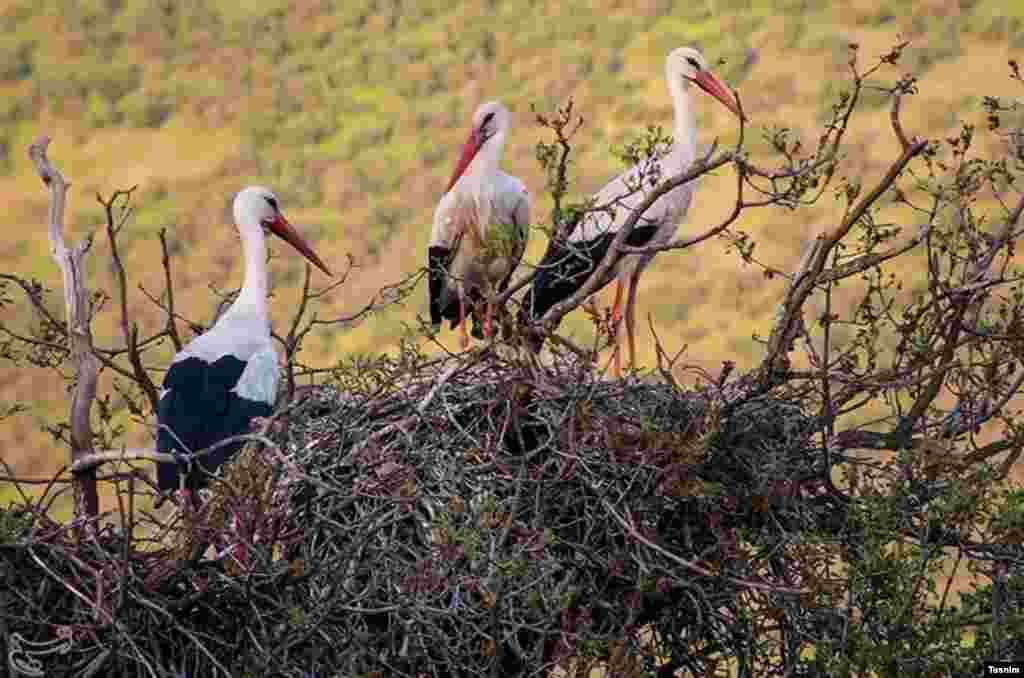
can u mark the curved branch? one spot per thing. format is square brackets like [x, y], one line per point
[599, 275]
[79, 317]
[809, 274]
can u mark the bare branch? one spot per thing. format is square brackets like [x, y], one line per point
[387, 295]
[684, 243]
[293, 339]
[101, 457]
[866, 261]
[165, 261]
[34, 293]
[76, 301]
[894, 118]
[95, 459]
[130, 334]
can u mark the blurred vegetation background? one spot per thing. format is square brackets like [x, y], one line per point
[353, 111]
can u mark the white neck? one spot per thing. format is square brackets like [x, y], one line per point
[252, 299]
[684, 126]
[481, 172]
[478, 181]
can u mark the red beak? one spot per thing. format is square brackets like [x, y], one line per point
[469, 151]
[707, 81]
[281, 228]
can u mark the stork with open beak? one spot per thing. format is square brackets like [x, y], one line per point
[481, 226]
[228, 375]
[567, 264]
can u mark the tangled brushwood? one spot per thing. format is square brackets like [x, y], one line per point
[476, 513]
[469, 516]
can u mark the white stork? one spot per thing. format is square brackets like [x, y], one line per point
[481, 226]
[228, 375]
[567, 265]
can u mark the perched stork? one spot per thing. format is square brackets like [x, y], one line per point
[227, 376]
[567, 265]
[480, 230]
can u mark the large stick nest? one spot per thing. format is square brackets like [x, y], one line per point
[467, 516]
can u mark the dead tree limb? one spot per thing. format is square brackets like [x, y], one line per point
[79, 316]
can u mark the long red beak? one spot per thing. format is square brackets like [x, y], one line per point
[707, 81]
[280, 227]
[469, 151]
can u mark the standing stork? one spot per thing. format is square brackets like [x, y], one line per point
[480, 230]
[566, 266]
[228, 375]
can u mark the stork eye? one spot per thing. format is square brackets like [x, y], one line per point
[272, 201]
[693, 62]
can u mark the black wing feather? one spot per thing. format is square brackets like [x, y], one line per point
[200, 409]
[438, 260]
[566, 267]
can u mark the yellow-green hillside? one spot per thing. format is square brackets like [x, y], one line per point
[352, 111]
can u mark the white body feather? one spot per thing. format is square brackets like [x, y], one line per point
[259, 379]
[504, 202]
[666, 214]
[246, 336]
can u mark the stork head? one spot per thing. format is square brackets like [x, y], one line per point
[256, 207]
[490, 120]
[689, 65]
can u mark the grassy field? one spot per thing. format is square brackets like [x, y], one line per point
[353, 112]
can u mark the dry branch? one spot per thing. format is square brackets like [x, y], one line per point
[79, 316]
[129, 331]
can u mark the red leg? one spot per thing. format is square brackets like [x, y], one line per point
[489, 321]
[616, 310]
[634, 282]
[463, 322]
[616, 360]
